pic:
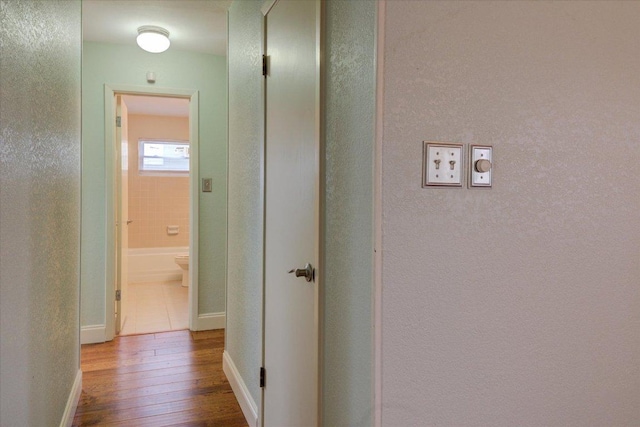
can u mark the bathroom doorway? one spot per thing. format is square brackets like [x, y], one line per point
[155, 150]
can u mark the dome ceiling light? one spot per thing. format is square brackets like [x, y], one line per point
[153, 39]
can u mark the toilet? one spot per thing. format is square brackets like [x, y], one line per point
[183, 263]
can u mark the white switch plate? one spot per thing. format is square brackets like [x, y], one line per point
[478, 152]
[442, 164]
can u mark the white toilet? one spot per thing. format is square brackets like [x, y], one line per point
[183, 262]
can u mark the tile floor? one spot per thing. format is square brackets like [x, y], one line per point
[156, 307]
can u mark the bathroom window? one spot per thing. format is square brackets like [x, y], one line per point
[163, 157]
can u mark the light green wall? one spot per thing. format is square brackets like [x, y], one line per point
[244, 288]
[127, 65]
[39, 209]
[350, 113]
[350, 103]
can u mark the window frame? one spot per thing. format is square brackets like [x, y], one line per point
[160, 172]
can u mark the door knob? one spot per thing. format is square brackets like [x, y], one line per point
[306, 272]
[129, 221]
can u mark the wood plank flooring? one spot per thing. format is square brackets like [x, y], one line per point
[164, 379]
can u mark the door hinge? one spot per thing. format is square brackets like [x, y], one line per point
[265, 63]
[262, 376]
[118, 121]
[118, 295]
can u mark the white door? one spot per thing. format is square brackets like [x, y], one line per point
[122, 212]
[291, 335]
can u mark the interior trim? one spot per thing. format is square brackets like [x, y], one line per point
[109, 104]
[247, 404]
[72, 402]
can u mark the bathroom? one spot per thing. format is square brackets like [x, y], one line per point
[155, 160]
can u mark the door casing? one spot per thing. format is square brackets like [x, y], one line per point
[110, 91]
[122, 222]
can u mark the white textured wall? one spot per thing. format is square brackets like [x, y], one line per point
[518, 305]
[39, 209]
[245, 200]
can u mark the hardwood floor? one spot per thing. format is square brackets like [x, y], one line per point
[164, 379]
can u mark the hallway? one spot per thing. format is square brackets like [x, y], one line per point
[164, 379]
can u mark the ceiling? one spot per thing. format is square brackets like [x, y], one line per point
[156, 106]
[194, 25]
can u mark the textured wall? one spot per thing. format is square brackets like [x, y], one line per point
[244, 287]
[518, 305]
[156, 201]
[348, 212]
[39, 209]
[102, 63]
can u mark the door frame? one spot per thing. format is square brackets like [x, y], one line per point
[110, 90]
[118, 211]
[267, 6]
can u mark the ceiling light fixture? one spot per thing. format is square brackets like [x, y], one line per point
[153, 39]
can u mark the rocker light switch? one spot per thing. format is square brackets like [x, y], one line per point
[442, 165]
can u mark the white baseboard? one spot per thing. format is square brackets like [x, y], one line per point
[211, 321]
[72, 402]
[92, 334]
[156, 276]
[247, 404]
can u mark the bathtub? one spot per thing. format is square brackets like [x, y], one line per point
[154, 264]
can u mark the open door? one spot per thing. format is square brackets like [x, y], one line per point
[291, 310]
[122, 212]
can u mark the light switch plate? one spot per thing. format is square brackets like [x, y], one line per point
[442, 164]
[207, 184]
[478, 177]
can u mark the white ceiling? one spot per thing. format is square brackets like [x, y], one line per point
[194, 25]
[156, 106]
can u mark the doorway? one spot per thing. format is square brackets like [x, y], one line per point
[144, 252]
[153, 210]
